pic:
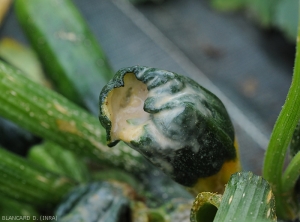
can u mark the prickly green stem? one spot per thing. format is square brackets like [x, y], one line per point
[279, 141]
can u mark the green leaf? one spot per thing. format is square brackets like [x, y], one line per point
[262, 11]
[286, 18]
[228, 5]
[136, 2]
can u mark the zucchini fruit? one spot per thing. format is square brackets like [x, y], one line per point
[99, 201]
[27, 182]
[69, 52]
[58, 160]
[178, 125]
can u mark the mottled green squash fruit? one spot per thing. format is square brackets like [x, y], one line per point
[178, 125]
[98, 201]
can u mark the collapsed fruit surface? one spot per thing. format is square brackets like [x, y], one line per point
[178, 125]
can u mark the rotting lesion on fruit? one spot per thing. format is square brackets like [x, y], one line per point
[124, 108]
[127, 98]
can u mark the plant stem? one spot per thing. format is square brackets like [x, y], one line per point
[279, 141]
[27, 182]
[247, 197]
[54, 118]
[291, 174]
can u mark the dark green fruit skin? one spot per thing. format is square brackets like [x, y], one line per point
[204, 121]
[69, 52]
[99, 201]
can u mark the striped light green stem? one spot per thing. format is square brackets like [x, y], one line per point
[52, 117]
[27, 182]
[247, 197]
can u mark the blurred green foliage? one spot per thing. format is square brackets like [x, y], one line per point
[277, 14]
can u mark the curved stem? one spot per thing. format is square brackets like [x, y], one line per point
[291, 174]
[279, 141]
